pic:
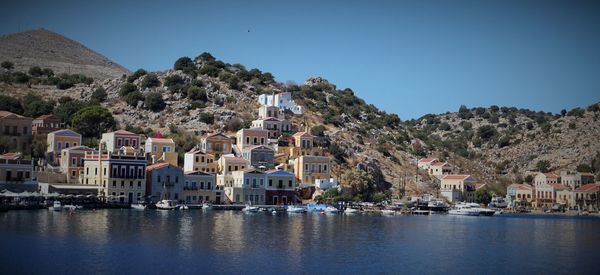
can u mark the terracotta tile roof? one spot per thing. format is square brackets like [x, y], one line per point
[301, 134]
[46, 116]
[437, 163]
[160, 140]
[558, 186]
[590, 187]
[80, 147]
[7, 113]
[158, 166]
[456, 177]
[234, 158]
[588, 174]
[10, 156]
[522, 186]
[123, 132]
[551, 175]
[199, 173]
[427, 160]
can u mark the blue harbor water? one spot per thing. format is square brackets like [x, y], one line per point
[209, 242]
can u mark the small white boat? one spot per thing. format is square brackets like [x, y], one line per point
[388, 212]
[56, 206]
[482, 211]
[463, 210]
[351, 211]
[206, 206]
[498, 202]
[183, 207]
[250, 209]
[138, 206]
[166, 205]
[295, 209]
[331, 210]
[71, 207]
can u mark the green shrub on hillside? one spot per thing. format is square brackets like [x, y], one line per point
[184, 64]
[137, 74]
[99, 95]
[207, 118]
[150, 81]
[34, 105]
[93, 121]
[35, 71]
[487, 132]
[7, 65]
[154, 102]
[133, 98]
[10, 104]
[197, 93]
[127, 88]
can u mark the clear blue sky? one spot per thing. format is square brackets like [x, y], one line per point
[406, 57]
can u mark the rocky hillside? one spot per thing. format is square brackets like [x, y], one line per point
[47, 49]
[200, 95]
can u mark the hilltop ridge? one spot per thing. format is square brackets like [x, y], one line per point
[48, 49]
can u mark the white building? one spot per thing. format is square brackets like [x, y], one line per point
[282, 100]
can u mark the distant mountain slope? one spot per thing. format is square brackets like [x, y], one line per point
[47, 49]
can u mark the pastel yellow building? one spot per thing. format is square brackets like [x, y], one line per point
[17, 130]
[307, 169]
[217, 145]
[161, 150]
[197, 160]
[59, 140]
[251, 137]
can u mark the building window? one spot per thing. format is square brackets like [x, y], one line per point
[270, 182]
[114, 183]
[290, 183]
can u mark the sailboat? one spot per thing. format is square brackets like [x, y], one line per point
[166, 204]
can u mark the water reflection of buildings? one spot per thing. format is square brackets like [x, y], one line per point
[227, 234]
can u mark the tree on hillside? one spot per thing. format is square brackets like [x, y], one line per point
[197, 93]
[66, 110]
[207, 118]
[529, 179]
[126, 89]
[39, 145]
[359, 181]
[7, 65]
[154, 102]
[99, 95]
[34, 106]
[483, 196]
[172, 80]
[149, 81]
[93, 121]
[10, 104]
[205, 57]
[543, 166]
[35, 71]
[184, 63]
[487, 132]
[137, 74]
[583, 167]
[133, 98]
